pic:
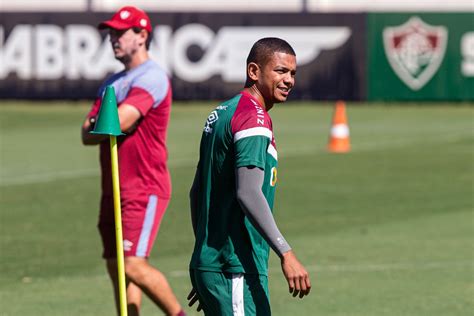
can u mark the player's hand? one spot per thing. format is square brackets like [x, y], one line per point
[295, 274]
[193, 298]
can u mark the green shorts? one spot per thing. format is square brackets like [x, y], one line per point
[230, 294]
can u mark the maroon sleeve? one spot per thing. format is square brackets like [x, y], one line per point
[140, 99]
[249, 115]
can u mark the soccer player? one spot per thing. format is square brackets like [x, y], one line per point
[233, 190]
[143, 93]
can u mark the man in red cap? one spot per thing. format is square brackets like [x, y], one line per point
[143, 93]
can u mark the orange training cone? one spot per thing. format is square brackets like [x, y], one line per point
[339, 138]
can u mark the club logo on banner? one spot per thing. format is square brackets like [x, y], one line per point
[415, 50]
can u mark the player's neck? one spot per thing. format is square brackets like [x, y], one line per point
[254, 92]
[138, 58]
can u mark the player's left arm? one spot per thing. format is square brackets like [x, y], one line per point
[128, 118]
[137, 103]
[249, 181]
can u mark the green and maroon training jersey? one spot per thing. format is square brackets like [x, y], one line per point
[238, 133]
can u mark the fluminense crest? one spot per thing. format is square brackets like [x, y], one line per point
[415, 50]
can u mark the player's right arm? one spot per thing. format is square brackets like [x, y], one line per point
[193, 200]
[193, 296]
[88, 125]
[87, 137]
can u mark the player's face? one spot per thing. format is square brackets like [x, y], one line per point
[125, 43]
[277, 77]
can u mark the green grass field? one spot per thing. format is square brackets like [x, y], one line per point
[387, 229]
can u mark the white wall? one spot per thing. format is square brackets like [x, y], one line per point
[43, 5]
[204, 5]
[239, 5]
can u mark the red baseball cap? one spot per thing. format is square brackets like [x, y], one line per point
[126, 18]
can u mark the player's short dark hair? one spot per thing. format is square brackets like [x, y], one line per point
[263, 50]
[149, 38]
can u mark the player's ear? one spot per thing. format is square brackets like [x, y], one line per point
[253, 71]
[143, 36]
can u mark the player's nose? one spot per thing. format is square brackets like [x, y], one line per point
[289, 80]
